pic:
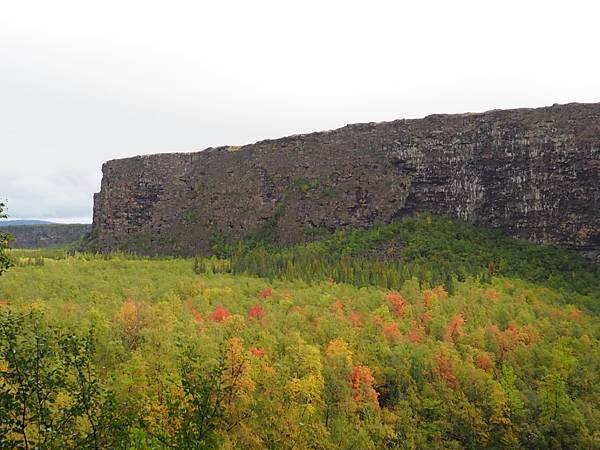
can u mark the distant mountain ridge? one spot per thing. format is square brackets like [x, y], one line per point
[12, 223]
[40, 235]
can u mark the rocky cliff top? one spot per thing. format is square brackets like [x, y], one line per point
[534, 173]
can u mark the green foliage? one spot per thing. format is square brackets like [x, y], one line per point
[49, 394]
[154, 355]
[435, 250]
[5, 261]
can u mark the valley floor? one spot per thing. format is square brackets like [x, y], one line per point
[144, 353]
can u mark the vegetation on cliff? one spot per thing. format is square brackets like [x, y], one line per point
[434, 250]
[128, 352]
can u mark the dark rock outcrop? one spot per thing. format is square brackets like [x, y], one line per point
[40, 236]
[534, 173]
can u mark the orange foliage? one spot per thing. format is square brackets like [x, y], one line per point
[425, 318]
[361, 382]
[220, 314]
[445, 369]
[510, 338]
[130, 322]
[128, 314]
[440, 292]
[198, 317]
[355, 319]
[195, 313]
[391, 332]
[427, 297]
[337, 307]
[491, 294]
[257, 352]
[3, 302]
[575, 315]
[415, 335]
[266, 293]
[484, 361]
[437, 293]
[454, 328]
[398, 303]
[256, 312]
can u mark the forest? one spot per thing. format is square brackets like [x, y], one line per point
[423, 334]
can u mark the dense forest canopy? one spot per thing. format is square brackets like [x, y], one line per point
[426, 333]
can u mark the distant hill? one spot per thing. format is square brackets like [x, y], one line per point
[42, 235]
[10, 223]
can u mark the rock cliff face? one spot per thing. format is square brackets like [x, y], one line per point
[534, 173]
[40, 236]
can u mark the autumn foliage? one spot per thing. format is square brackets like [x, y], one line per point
[266, 293]
[194, 312]
[257, 352]
[130, 321]
[384, 357]
[337, 307]
[391, 332]
[454, 329]
[361, 382]
[444, 369]
[397, 302]
[220, 314]
[256, 312]
[483, 360]
[355, 319]
[416, 333]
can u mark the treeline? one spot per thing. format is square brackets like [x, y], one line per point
[434, 250]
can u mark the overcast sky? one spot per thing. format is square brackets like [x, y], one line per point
[82, 82]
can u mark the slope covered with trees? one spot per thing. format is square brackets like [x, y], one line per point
[458, 338]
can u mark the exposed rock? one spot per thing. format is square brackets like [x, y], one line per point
[534, 173]
[39, 236]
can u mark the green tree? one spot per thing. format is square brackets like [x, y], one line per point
[49, 394]
[5, 262]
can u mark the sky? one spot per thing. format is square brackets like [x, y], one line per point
[84, 82]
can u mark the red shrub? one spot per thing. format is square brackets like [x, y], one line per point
[257, 352]
[391, 332]
[355, 319]
[220, 314]
[415, 335]
[256, 312]
[195, 313]
[454, 328]
[266, 293]
[337, 307]
[445, 369]
[361, 382]
[484, 361]
[398, 303]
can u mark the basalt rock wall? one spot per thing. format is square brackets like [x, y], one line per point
[534, 173]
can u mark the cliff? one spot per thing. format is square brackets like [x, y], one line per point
[534, 173]
[51, 235]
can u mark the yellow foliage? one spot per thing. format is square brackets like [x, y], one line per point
[339, 349]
